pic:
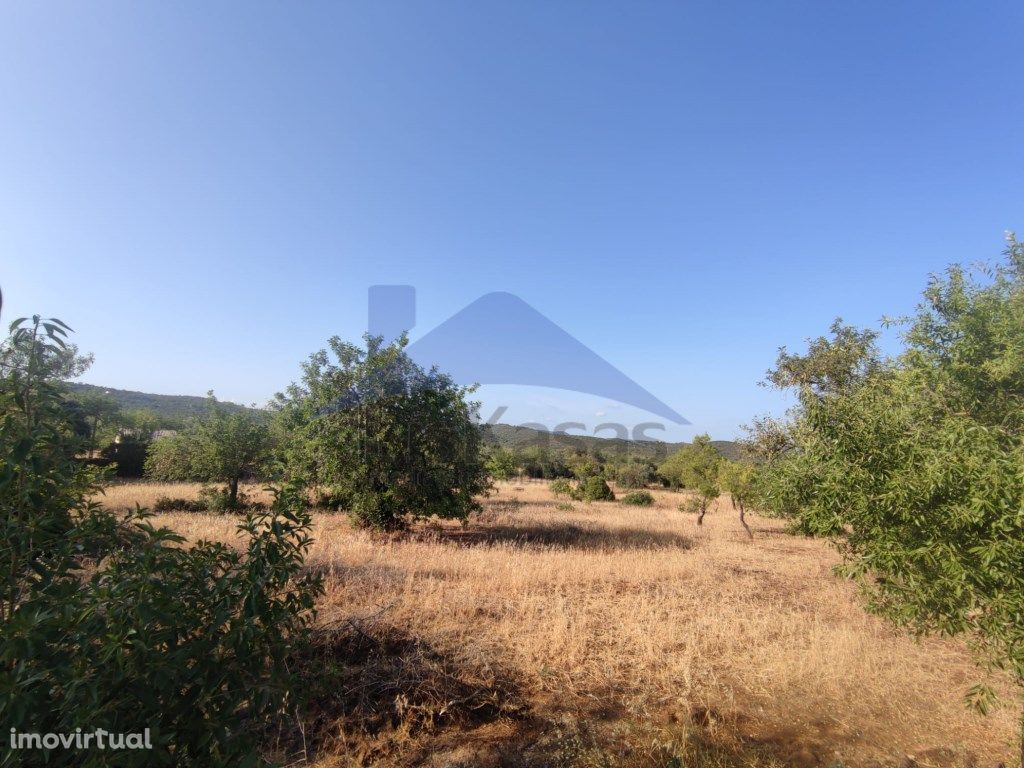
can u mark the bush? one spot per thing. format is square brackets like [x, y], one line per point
[638, 499]
[116, 624]
[692, 505]
[175, 504]
[129, 456]
[219, 501]
[560, 488]
[564, 506]
[231, 617]
[633, 475]
[502, 464]
[593, 489]
[329, 498]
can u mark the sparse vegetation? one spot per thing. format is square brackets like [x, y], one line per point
[442, 624]
[597, 620]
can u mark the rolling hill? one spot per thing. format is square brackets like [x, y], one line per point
[167, 406]
[509, 436]
[506, 435]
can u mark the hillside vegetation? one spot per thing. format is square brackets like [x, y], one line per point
[509, 436]
[166, 406]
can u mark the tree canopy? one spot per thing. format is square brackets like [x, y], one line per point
[915, 462]
[225, 447]
[391, 440]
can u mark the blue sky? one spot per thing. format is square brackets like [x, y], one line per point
[205, 191]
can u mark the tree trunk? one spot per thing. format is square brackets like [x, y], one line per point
[233, 493]
[743, 520]
[703, 509]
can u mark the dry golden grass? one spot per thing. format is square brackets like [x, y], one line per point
[629, 636]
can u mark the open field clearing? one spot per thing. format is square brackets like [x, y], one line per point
[612, 635]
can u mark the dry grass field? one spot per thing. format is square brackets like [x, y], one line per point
[608, 635]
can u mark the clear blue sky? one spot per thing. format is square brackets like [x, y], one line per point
[206, 190]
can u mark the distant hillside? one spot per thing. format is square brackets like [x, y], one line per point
[509, 436]
[169, 406]
[506, 435]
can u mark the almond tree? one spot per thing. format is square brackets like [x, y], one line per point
[914, 464]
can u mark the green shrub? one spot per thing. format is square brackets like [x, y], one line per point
[560, 487]
[219, 500]
[593, 489]
[692, 505]
[638, 499]
[501, 464]
[175, 504]
[332, 499]
[634, 475]
[210, 631]
[116, 624]
[564, 506]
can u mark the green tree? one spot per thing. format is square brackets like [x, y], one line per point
[914, 464]
[583, 465]
[226, 447]
[539, 462]
[54, 360]
[502, 464]
[394, 440]
[42, 487]
[695, 467]
[102, 416]
[634, 474]
[738, 479]
[560, 487]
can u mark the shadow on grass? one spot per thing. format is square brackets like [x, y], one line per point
[373, 691]
[567, 536]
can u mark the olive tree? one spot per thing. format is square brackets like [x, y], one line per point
[392, 441]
